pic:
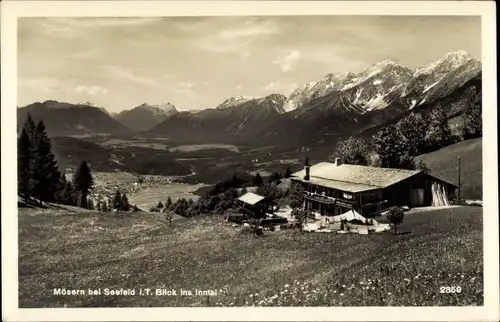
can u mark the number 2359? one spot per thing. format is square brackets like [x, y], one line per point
[450, 289]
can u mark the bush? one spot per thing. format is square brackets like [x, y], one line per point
[395, 217]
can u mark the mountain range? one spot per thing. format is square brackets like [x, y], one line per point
[65, 119]
[332, 107]
[146, 116]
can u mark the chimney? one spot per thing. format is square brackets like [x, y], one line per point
[306, 169]
[338, 162]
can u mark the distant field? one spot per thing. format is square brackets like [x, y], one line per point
[131, 143]
[81, 250]
[149, 196]
[443, 164]
[199, 147]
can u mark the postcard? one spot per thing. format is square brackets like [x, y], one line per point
[240, 160]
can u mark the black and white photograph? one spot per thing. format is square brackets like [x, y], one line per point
[252, 160]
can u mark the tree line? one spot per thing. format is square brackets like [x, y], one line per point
[236, 181]
[39, 177]
[396, 146]
[40, 180]
[223, 197]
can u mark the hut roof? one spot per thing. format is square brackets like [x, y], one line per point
[251, 198]
[355, 178]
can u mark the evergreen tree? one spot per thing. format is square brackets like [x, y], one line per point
[117, 200]
[46, 174]
[257, 180]
[30, 127]
[104, 206]
[125, 204]
[168, 203]
[235, 181]
[84, 182]
[110, 204]
[288, 172]
[472, 117]
[24, 161]
[275, 176]
[296, 197]
[69, 194]
[90, 204]
[160, 205]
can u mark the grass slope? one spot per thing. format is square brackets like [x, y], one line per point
[443, 163]
[81, 250]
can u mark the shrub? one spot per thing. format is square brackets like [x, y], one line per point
[395, 217]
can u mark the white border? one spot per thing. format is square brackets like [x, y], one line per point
[10, 10]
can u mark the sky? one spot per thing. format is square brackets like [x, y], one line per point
[198, 62]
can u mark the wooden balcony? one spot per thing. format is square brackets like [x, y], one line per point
[328, 200]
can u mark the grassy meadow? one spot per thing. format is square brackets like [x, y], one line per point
[78, 249]
[443, 163]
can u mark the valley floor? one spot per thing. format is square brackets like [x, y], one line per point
[81, 250]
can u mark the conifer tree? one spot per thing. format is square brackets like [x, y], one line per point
[472, 117]
[68, 194]
[24, 160]
[275, 176]
[46, 174]
[125, 206]
[30, 127]
[117, 200]
[104, 206]
[84, 182]
[288, 172]
[257, 180]
[168, 203]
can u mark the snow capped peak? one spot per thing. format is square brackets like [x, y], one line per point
[158, 109]
[233, 101]
[163, 106]
[87, 103]
[387, 63]
[458, 55]
[450, 61]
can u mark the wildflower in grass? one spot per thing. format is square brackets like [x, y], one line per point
[286, 285]
[341, 294]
